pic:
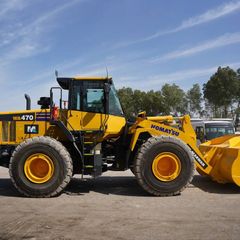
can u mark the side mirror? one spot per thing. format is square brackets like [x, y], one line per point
[44, 102]
[106, 88]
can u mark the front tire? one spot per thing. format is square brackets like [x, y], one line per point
[40, 167]
[164, 166]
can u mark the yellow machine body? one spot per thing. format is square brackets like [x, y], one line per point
[223, 154]
[92, 133]
[218, 158]
[84, 121]
[166, 125]
[15, 127]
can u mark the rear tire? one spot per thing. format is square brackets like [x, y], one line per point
[166, 180]
[40, 167]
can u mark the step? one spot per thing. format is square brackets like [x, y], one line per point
[88, 154]
[88, 143]
[89, 166]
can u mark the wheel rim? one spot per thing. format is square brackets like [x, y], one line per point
[38, 168]
[166, 166]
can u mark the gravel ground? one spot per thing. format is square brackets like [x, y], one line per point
[115, 207]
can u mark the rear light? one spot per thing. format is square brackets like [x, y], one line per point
[54, 113]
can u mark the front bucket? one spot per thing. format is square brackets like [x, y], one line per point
[223, 154]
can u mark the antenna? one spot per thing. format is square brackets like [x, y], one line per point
[107, 71]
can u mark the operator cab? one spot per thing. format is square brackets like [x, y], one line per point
[94, 111]
[94, 95]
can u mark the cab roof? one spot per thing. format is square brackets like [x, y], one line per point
[226, 123]
[64, 81]
[91, 78]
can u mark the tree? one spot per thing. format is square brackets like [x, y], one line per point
[221, 90]
[194, 98]
[126, 99]
[174, 99]
[237, 110]
[153, 103]
[136, 101]
[238, 91]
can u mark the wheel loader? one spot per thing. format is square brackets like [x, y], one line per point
[89, 134]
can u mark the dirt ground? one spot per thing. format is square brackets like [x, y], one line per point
[115, 207]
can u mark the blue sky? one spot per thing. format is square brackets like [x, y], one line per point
[144, 44]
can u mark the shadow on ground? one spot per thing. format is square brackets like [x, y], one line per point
[105, 185]
[207, 185]
[7, 188]
[125, 186]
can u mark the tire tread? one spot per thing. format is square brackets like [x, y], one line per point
[59, 148]
[140, 158]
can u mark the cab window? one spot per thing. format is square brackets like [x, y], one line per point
[94, 100]
[114, 103]
[87, 96]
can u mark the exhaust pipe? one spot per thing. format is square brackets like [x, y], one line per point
[28, 101]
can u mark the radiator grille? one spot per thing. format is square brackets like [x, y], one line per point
[8, 131]
[12, 131]
[5, 131]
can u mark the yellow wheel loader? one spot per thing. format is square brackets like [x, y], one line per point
[89, 135]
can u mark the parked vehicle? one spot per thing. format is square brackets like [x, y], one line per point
[214, 129]
[210, 129]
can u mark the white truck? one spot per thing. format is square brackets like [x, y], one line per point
[209, 129]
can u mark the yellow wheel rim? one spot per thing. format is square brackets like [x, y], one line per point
[166, 167]
[38, 168]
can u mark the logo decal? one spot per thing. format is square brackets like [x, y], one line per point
[198, 159]
[18, 117]
[165, 130]
[31, 129]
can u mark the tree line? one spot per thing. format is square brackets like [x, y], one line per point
[218, 97]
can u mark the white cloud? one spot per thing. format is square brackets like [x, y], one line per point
[226, 39]
[73, 67]
[22, 50]
[188, 74]
[205, 17]
[49, 73]
[210, 15]
[40, 84]
[7, 6]
[17, 101]
[36, 26]
[175, 77]
[40, 22]
[28, 36]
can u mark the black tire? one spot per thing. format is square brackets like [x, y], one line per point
[60, 158]
[143, 166]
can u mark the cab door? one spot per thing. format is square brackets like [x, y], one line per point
[87, 108]
[92, 114]
[87, 105]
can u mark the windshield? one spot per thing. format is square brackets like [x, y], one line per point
[115, 107]
[214, 131]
